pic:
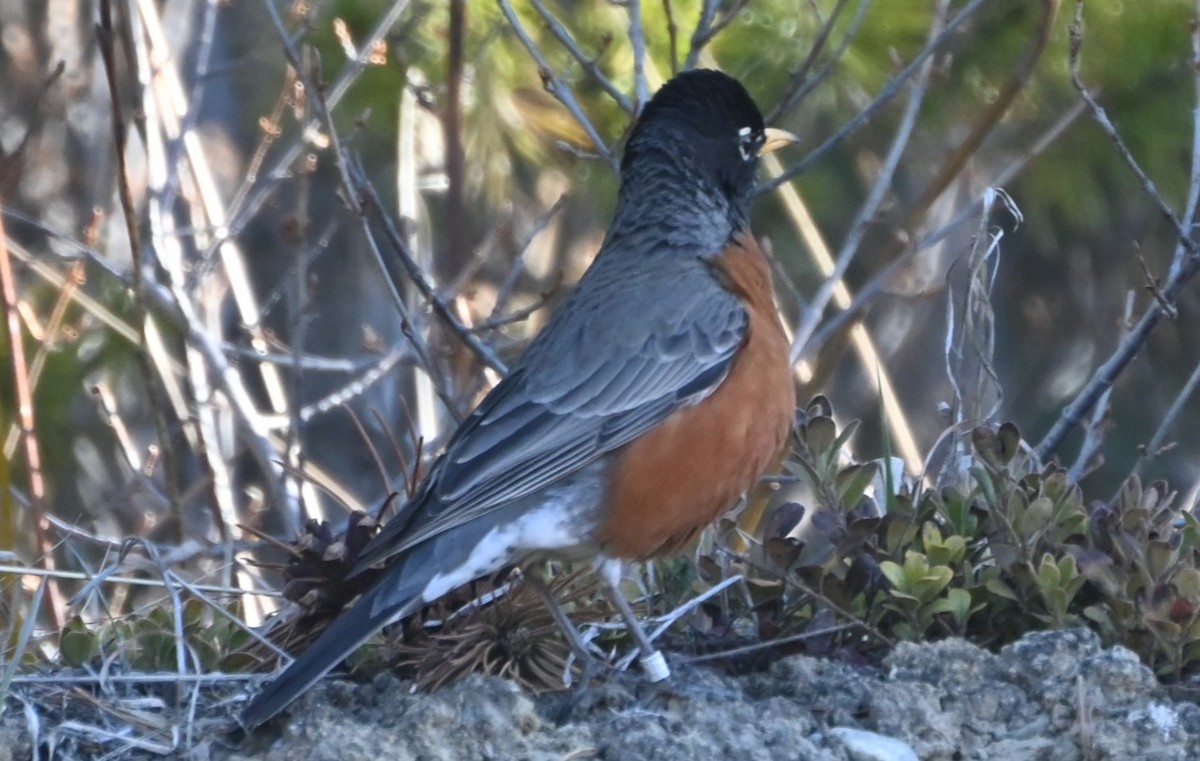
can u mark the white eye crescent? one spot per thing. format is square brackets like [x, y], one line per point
[748, 143]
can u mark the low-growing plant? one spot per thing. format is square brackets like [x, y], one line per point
[149, 643]
[1000, 548]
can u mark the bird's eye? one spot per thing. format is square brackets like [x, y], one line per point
[749, 141]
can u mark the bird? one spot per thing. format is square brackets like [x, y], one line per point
[655, 396]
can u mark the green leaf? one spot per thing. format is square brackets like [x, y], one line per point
[1187, 581]
[77, 644]
[1049, 576]
[1160, 557]
[1036, 518]
[957, 603]
[1000, 589]
[1010, 442]
[987, 445]
[193, 612]
[941, 551]
[819, 435]
[894, 574]
[845, 435]
[932, 583]
[852, 482]
[956, 508]
[986, 487]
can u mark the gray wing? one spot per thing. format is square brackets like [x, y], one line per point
[591, 382]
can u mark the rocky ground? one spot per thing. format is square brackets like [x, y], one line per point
[1054, 696]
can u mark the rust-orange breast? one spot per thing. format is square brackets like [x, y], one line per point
[687, 471]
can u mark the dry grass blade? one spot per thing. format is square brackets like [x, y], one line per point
[25, 420]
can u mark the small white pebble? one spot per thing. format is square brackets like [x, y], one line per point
[869, 746]
[1163, 717]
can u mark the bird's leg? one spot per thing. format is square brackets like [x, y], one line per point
[653, 663]
[590, 664]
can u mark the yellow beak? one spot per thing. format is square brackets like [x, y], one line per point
[776, 139]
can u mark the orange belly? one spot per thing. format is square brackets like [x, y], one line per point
[686, 472]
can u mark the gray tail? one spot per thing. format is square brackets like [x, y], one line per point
[394, 596]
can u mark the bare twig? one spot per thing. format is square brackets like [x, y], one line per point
[1155, 445]
[384, 479]
[709, 27]
[1193, 197]
[309, 362]
[1183, 268]
[269, 131]
[48, 337]
[256, 428]
[866, 214]
[557, 87]
[11, 160]
[1098, 424]
[355, 388]
[360, 194]
[589, 64]
[161, 79]
[799, 85]
[957, 158]
[637, 38]
[486, 355]
[510, 280]
[863, 343]
[889, 91]
[251, 201]
[107, 408]
[878, 282]
[21, 646]
[1101, 116]
[28, 429]
[203, 59]
[301, 317]
[160, 114]
[512, 317]
[700, 36]
[1094, 433]
[768, 644]
[1107, 374]
[408, 206]
[456, 251]
[672, 36]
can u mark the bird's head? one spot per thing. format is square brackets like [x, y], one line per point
[704, 127]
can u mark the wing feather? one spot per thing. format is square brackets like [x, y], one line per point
[577, 393]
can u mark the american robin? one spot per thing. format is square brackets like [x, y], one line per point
[658, 393]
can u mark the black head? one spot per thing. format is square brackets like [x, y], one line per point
[704, 124]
